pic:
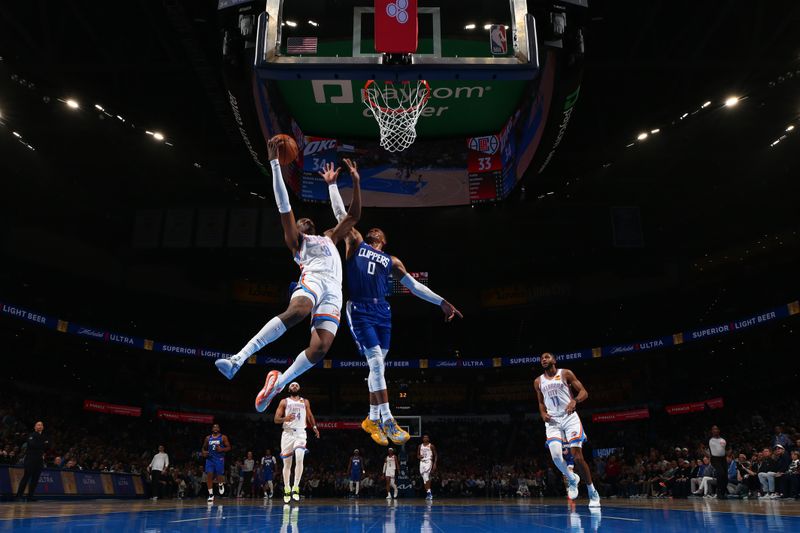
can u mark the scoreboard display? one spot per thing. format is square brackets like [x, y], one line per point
[398, 288]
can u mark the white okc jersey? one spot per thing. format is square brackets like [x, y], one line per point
[390, 466]
[298, 409]
[556, 392]
[318, 254]
[426, 453]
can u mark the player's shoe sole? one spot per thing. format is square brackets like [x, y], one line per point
[375, 431]
[287, 497]
[572, 488]
[226, 367]
[269, 391]
[296, 495]
[394, 432]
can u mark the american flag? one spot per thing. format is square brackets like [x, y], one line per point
[301, 45]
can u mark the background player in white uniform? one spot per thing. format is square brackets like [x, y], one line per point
[295, 414]
[562, 425]
[319, 291]
[390, 468]
[426, 453]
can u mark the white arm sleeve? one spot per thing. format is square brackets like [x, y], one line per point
[421, 291]
[279, 188]
[336, 202]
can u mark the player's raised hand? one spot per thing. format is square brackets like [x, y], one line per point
[330, 173]
[273, 151]
[352, 167]
[450, 311]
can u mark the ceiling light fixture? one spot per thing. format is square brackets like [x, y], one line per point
[655, 131]
[158, 136]
[72, 104]
[469, 27]
[642, 136]
[706, 104]
[291, 23]
[790, 127]
[731, 101]
[315, 24]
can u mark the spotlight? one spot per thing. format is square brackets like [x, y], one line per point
[469, 27]
[72, 104]
[158, 136]
[291, 23]
[487, 26]
[642, 136]
[315, 24]
[17, 135]
[731, 101]
[655, 131]
[706, 104]
[99, 107]
[790, 127]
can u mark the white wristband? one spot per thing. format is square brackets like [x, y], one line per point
[279, 188]
[421, 291]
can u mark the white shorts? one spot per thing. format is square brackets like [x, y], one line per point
[567, 430]
[325, 294]
[389, 473]
[291, 441]
[425, 470]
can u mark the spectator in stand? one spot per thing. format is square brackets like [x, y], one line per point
[708, 480]
[782, 463]
[766, 475]
[747, 476]
[717, 445]
[680, 484]
[613, 471]
[794, 475]
[733, 474]
[157, 467]
[697, 475]
[247, 474]
[780, 438]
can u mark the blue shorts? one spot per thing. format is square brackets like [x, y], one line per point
[355, 476]
[370, 324]
[215, 465]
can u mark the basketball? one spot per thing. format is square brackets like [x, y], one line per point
[287, 148]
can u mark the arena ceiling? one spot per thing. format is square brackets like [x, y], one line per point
[703, 183]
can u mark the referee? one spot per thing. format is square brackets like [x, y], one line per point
[34, 461]
[717, 445]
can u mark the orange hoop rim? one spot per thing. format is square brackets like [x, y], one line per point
[373, 105]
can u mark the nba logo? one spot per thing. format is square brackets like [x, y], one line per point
[497, 40]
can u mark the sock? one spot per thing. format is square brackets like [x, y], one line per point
[300, 365]
[210, 491]
[374, 413]
[269, 333]
[287, 473]
[590, 487]
[386, 413]
[299, 455]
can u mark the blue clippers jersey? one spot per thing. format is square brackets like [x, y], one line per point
[369, 274]
[355, 466]
[213, 444]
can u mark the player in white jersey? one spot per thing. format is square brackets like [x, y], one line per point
[390, 468]
[318, 292]
[295, 414]
[562, 425]
[426, 453]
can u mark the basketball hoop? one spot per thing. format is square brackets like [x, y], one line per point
[396, 108]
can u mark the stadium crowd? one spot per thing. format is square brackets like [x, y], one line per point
[478, 457]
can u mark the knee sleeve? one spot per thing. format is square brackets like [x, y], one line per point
[558, 459]
[299, 455]
[375, 381]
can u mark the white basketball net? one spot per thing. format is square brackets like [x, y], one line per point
[396, 108]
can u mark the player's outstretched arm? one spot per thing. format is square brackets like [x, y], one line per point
[435, 458]
[205, 447]
[344, 227]
[226, 444]
[290, 234]
[572, 381]
[540, 399]
[419, 290]
[310, 421]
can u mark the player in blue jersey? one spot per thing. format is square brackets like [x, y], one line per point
[215, 447]
[355, 471]
[268, 463]
[369, 270]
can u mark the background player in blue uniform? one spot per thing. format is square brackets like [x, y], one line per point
[356, 470]
[268, 463]
[369, 271]
[214, 448]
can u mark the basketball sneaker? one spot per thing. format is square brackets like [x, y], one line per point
[287, 495]
[210, 498]
[269, 391]
[227, 367]
[572, 487]
[594, 498]
[296, 494]
[395, 433]
[221, 488]
[375, 431]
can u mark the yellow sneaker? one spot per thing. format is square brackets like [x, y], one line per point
[375, 431]
[397, 434]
